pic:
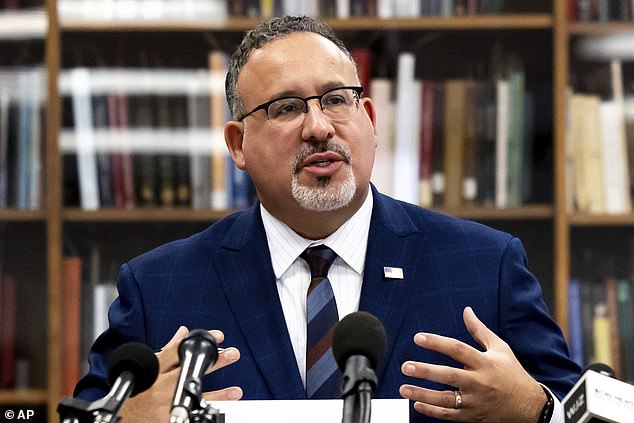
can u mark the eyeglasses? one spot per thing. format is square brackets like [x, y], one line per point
[336, 104]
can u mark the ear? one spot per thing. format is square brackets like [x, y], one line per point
[368, 106]
[234, 136]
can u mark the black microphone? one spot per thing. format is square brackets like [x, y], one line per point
[197, 352]
[599, 397]
[132, 368]
[358, 343]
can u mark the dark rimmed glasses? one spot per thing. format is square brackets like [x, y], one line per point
[336, 104]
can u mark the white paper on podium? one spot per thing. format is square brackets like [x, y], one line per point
[307, 411]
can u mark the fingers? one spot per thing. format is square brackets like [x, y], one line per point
[232, 393]
[438, 404]
[168, 356]
[225, 357]
[478, 330]
[451, 347]
[436, 373]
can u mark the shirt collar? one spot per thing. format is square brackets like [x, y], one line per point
[349, 241]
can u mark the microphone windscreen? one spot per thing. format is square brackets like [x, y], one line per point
[602, 368]
[359, 333]
[136, 358]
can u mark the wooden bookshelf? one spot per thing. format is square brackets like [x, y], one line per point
[54, 215]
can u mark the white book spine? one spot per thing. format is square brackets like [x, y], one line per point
[501, 142]
[614, 159]
[383, 173]
[407, 120]
[86, 157]
[343, 9]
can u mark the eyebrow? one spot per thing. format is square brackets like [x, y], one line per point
[293, 93]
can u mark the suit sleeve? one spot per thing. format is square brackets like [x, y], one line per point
[126, 323]
[526, 324]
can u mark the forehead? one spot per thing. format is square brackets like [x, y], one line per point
[299, 62]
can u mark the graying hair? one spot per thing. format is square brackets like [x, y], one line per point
[263, 34]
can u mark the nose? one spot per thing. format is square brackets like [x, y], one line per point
[317, 126]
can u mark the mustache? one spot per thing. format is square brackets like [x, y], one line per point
[321, 147]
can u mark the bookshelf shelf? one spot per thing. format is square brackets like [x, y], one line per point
[143, 215]
[532, 212]
[12, 215]
[516, 21]
[579, 219]
[600, 28]
[23, 397]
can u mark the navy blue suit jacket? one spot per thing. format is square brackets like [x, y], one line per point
[222, 278]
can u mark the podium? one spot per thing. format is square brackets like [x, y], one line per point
[307, 411]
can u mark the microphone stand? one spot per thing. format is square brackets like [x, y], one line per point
[104, 410]
[358, 382]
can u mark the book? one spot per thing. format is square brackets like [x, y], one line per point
[502, 135]
[407, 122]
[575, 322]
[4, 148]
[219, 155]
[601, 331]
[625, 310]
[456, 94]
[8, 293]
[616, 184]
[71, 274]
[85, 142]
[426, 144]
[611, 301]
[383, 172]
[515, 146]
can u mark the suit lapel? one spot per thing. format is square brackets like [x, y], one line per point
[390, 244]
[244, 268]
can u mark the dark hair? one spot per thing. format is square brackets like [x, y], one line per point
[263, 34]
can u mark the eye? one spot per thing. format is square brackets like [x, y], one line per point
[285, 107]
[335, 100]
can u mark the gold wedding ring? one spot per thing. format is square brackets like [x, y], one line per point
[457, 400]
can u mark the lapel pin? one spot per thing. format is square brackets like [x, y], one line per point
[393, 272]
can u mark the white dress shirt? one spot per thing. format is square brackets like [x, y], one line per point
[293, 275]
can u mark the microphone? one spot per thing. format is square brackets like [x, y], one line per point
[599, 397]
[132, 368]
[197, 352]
[358, 343]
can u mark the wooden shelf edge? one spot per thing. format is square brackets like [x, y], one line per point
[583, 219]
[143, 215]
[599, 28]
[14, 215]
[514, 21]
[531, 212]
[23, 397]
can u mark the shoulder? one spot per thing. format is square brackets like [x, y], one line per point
[436, 226]
[197, 246]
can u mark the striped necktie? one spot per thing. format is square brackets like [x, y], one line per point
[323, 377]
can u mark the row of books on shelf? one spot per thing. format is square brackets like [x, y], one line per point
[600, 10]
[14, 366]
[456, 142]
[600, 150]
[143, 138]
[87, 298]
[22, 126]
[136, 137]
[220, 10]
[601, 323]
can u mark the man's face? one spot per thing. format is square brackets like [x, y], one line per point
[321, 164]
